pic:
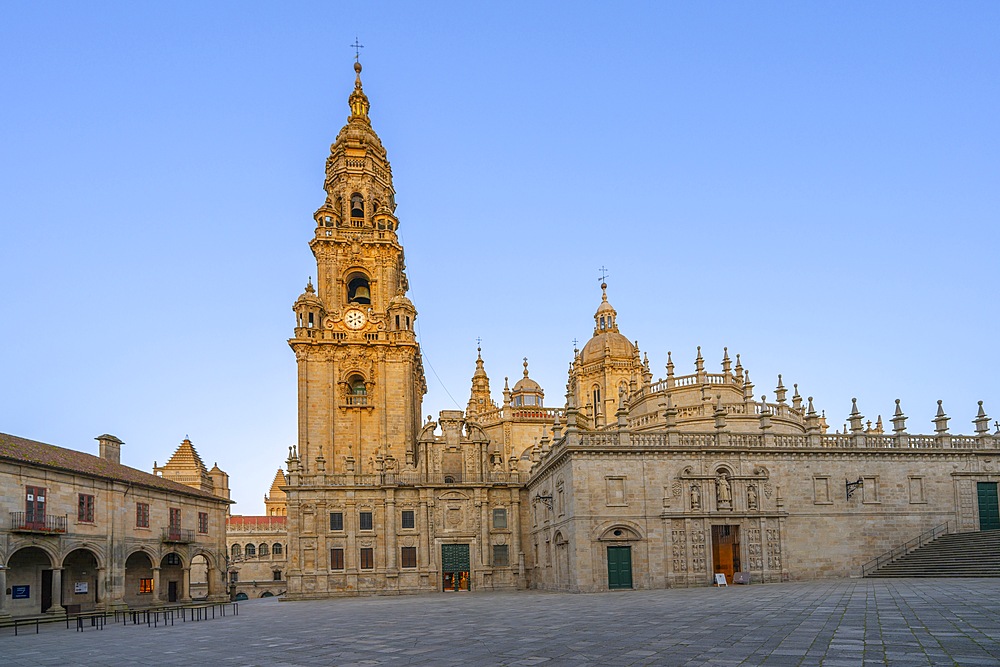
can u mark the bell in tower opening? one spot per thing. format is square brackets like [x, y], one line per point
[357, 206]
[358, 290]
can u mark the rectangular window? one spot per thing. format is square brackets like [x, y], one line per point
[367, 558]
[409, 557]
[500, 518]
[365, 521]
[85, 509]
[409, 520]
[203, 522]
[234, 576]
[500, 556]
[145, 586]
[142, 515]
[175, 518]
[277, 575]
[336, 559]
[336, 520]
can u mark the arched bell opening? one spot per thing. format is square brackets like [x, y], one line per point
[358, 289]
[357, 205]
[357, 390]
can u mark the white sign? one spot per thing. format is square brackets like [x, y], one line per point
[80, 587]
[720, 579]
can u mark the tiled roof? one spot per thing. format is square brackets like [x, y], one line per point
[22, 450]
[279, 480]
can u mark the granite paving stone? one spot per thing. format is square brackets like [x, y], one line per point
[840, 623]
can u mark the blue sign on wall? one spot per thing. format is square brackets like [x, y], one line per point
[20, 592]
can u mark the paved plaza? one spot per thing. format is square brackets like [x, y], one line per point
[843, 623]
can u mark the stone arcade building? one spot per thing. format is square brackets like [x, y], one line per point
[83, 532]
[632, 483]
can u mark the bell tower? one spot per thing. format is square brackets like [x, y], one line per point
[360, 376]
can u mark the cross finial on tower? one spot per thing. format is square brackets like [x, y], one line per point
[479, 341]
[604, 274]
[357, 46]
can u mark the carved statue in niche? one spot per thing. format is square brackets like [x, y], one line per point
[723, 490]
[695, 497]
[752, 497]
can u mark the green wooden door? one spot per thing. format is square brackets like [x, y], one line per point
[619, 567]
[989, 510]
[455, 557]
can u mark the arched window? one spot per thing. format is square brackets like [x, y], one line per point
[276, 548]
[251, 551]
[597, 400]
[236, 551]
[262, 550]
[357, 391]
[358, 289]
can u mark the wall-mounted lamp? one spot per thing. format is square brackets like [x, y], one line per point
[853, 486]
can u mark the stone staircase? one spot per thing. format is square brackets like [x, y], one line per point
[955, 555]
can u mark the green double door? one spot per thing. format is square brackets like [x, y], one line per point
[989, 509]
[619, 567]
[455, 568]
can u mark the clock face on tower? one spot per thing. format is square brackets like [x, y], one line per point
[355, 319]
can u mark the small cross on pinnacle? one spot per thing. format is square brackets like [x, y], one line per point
[604, 274]
[574, 343]
[479, 341]
[357, 46]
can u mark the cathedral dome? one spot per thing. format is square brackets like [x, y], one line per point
[607, 341]
[401, 301]
[617, 345]
[309, 296]
[527, 391]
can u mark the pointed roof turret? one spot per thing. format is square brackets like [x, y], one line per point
[479, 398]
[604, 318]
[358, 100]
[186, 467]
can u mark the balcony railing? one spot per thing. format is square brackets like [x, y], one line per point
[22, 522]
[178, 535]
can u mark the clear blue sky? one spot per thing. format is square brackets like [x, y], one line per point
[813, 185]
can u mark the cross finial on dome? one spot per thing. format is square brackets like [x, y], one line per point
[357, 46]
[526, 367]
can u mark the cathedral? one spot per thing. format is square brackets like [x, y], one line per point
[631, 482]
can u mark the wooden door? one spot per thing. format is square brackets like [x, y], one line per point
[989, 510]
[619, 567]
[34, 508]
[726, 550]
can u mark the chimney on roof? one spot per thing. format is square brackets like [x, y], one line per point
[110, 448]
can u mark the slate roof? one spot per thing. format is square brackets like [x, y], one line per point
[22, 450]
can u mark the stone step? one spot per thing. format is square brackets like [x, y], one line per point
[974, 554]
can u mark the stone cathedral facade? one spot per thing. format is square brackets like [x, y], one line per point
[630, 483]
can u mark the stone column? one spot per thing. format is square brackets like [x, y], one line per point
[156, 585]
[3, 593]
[424, 554]
[515, 533]
[390, 531]
[210, 575]
[102, 594]
[57, 592]
[185, 595]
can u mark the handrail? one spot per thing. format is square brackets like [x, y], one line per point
[905, 548]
